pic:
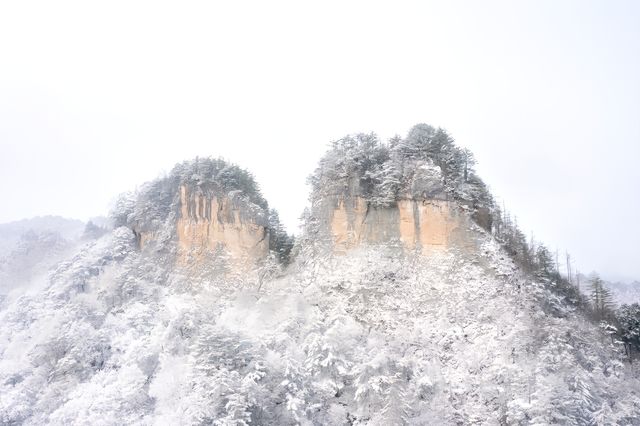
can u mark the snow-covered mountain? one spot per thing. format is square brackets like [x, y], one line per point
[11, 233]
[407, 299]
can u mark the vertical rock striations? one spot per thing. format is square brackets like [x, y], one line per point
[209, 223]
[418, 224]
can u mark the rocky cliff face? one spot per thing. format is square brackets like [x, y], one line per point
[418, 224]
[208, 224]
[422, 219]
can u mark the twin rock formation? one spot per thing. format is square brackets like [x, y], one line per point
[209, 223]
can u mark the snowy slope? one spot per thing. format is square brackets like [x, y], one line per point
[10, 233]
[126, 332]
[30, 247]
[372, 337]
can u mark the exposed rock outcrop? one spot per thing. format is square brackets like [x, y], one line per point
[422, 219]
[421, 225]
[210, 223]
[420, 193]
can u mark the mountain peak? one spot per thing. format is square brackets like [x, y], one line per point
[420, 192]
[206, 211]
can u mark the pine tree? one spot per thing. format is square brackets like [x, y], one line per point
[601, 298]
[441, 150]
[417, 141]
[280, 242]
[468, 163]
[388, 180]
[544, 262]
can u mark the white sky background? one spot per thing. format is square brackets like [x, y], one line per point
[98, 97]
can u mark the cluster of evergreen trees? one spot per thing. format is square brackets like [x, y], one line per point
[218, 177]
[383, 172]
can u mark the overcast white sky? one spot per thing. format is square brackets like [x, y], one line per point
[98, 97]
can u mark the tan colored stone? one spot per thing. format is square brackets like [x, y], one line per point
[347, 224]
[427, 224]
[200, 232]
[407, 224]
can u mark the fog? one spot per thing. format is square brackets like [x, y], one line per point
[96, 98]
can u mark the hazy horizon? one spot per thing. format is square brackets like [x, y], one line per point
[97, 99]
